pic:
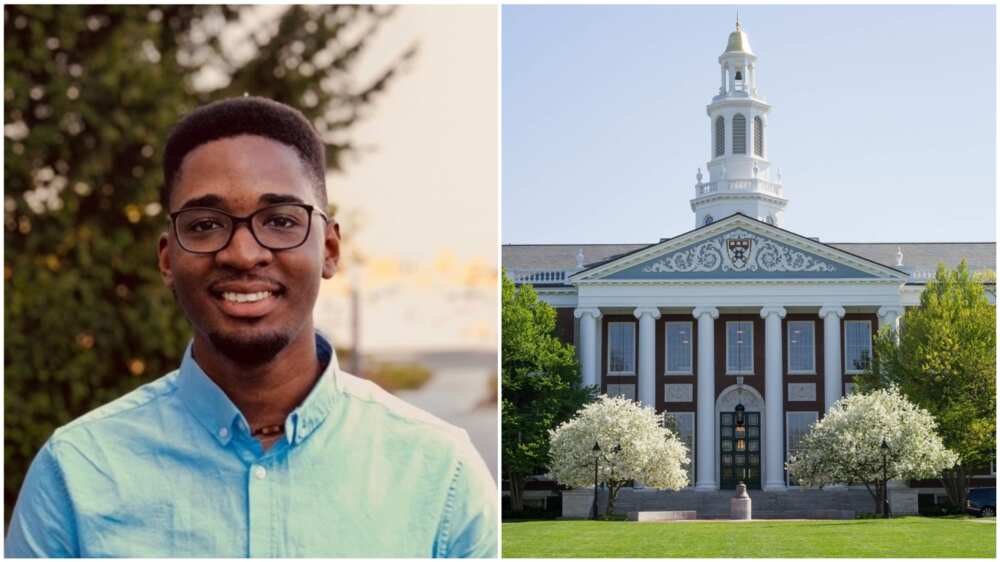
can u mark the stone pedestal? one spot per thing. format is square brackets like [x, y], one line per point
[649, 516]
[739, 505]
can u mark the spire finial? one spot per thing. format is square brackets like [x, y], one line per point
[737, 19]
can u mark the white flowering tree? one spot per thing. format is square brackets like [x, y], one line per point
[845, 446]
[634, 446]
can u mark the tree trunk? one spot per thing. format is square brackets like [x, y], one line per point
[956, 485]
[876, 497]
[612, 496]
[516, 493]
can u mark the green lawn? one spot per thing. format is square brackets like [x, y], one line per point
[905, 537]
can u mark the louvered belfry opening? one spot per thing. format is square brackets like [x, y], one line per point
[720, 136]
[739, 134]
[758, 136]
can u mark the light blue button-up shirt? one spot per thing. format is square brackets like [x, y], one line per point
[170, 470]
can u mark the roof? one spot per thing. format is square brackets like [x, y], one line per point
[925, 256]
[738, 42]
[920, 257]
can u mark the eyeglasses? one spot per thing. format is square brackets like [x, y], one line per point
[204, 230]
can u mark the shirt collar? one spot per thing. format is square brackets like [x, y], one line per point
[217, 413]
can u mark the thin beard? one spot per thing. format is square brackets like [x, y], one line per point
[250, 352]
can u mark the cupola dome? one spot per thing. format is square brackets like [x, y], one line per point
[738, 42]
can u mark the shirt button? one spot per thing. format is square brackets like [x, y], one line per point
[259, 472]
[223, 432]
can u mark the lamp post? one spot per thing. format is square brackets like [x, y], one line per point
[884, 447]
[597, 455]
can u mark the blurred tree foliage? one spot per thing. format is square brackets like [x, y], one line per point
[396, 376]
[90, 94]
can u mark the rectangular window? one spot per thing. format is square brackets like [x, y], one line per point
[623, 390]
[857, 345]
[621, 348]
[684, 422]
[797, 424]
[801, 347]
[739, 347]
[679, 349]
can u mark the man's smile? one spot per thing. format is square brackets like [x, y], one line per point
[243, 299]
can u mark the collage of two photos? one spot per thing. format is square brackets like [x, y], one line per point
[483, 281]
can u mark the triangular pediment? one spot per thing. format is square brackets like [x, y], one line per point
[738, 248]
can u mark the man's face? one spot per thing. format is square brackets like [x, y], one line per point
[221, 293]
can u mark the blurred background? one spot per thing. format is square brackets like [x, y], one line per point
[406, 99]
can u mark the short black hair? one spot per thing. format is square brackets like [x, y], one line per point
[247, 115]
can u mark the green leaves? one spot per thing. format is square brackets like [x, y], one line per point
[945, 362]
[540, 378]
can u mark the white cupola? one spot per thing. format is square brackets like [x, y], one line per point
[740, 179]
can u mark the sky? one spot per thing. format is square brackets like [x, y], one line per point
[883, 119]
[418, 205]
[427, 181]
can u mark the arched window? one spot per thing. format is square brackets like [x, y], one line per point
[720, 136]
[758, 136]
[708, 219]
[739, 134]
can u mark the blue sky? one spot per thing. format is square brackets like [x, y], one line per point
[883, 119]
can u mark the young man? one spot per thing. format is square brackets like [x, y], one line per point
[258, 445]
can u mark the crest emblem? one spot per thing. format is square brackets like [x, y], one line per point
[739, 252]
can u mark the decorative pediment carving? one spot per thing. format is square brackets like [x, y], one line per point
[739, 250]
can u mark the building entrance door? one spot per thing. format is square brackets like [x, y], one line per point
[739, 455]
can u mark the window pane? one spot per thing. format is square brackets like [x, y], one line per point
[685, 431]
[801, 346]
[621, 344]
[679, 347]
[799, 424]
[739, 347]
[623, 390]
[858, 344]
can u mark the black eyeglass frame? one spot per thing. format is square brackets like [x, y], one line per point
[237, 221]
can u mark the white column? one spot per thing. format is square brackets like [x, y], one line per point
[889, 316]
[774, 400]
[832, 378]
[588, 344]
[705, 416]
[646, 389]
[722, 80]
